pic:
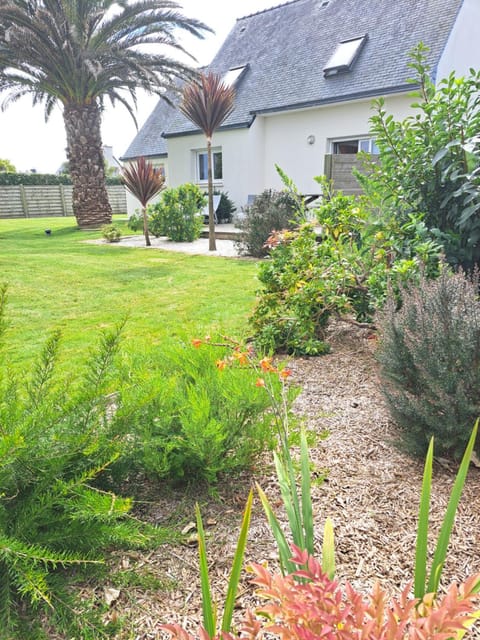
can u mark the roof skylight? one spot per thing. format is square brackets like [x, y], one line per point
[231, 78]
[344, 56]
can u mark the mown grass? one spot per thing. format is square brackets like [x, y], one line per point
[60, 281]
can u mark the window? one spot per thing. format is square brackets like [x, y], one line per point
[161, 169]
[344, 56]
[202, 166]
[366, 145]
[231, 78]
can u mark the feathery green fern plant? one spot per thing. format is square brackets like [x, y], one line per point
[55, 441]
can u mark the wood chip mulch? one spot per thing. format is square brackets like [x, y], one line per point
[371, 492]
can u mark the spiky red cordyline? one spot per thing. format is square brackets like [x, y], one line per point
[208, 102]
[143, 181]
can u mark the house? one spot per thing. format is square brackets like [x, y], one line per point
[305, 75]
[112, 165]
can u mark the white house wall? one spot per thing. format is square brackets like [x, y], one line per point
[287, 134]
[462, 50]
[249, 155]
[242, 157]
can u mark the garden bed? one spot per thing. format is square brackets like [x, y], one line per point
[371, 491]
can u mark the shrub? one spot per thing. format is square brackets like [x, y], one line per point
[9, 179]
[429, 352]
[135, 221]
[197, 418]
[343, 273]
[111, 233]
[429, 162]
[176, 214]
[308, 604]
[290, 315]
[55, 443]
[226, 207]
[270, 211]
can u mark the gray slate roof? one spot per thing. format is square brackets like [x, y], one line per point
[287, 47]
[149, 140]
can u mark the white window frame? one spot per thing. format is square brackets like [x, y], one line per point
[233, 75]
[344, 56]
[372, 148]
[203, 152]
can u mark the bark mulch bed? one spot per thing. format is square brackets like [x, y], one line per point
[371, 491]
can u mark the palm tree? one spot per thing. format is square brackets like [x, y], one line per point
[208, 103]
[143, 181]
[76, 53]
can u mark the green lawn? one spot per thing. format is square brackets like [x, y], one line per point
[59, 281]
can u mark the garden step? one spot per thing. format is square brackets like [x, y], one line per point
[222, 232]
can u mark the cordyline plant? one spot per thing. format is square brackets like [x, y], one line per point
[143, 181]
[208, 103]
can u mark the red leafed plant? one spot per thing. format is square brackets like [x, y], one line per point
[308, 605]
[144, 181]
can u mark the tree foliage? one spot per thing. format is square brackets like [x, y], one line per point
[429, 163]
[79, 53]
[6, 166]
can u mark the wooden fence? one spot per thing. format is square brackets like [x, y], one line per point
[39, 201]
[339, 168]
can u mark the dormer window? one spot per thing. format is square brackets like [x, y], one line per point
[232, 77]
[344, 56]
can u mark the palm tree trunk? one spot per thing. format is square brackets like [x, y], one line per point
[87, 169]
[211, 214]
[145, 228]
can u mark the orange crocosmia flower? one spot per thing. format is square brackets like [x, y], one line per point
[196, 342]
[241, 357]
[285, 373]
[260, 382]
[266, 364]
[221, 364]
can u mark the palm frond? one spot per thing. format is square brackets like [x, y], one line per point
[79, 51]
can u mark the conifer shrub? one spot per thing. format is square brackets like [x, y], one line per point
[192, 419]
[55, 443]
[429, 353]
[270, 211]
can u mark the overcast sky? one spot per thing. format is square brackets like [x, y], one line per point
[30, 143]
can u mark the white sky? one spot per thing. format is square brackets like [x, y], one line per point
[30, 143]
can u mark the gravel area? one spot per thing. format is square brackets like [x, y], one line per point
[225, 248]
[371, 491]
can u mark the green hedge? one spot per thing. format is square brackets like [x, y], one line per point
[12, 179]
